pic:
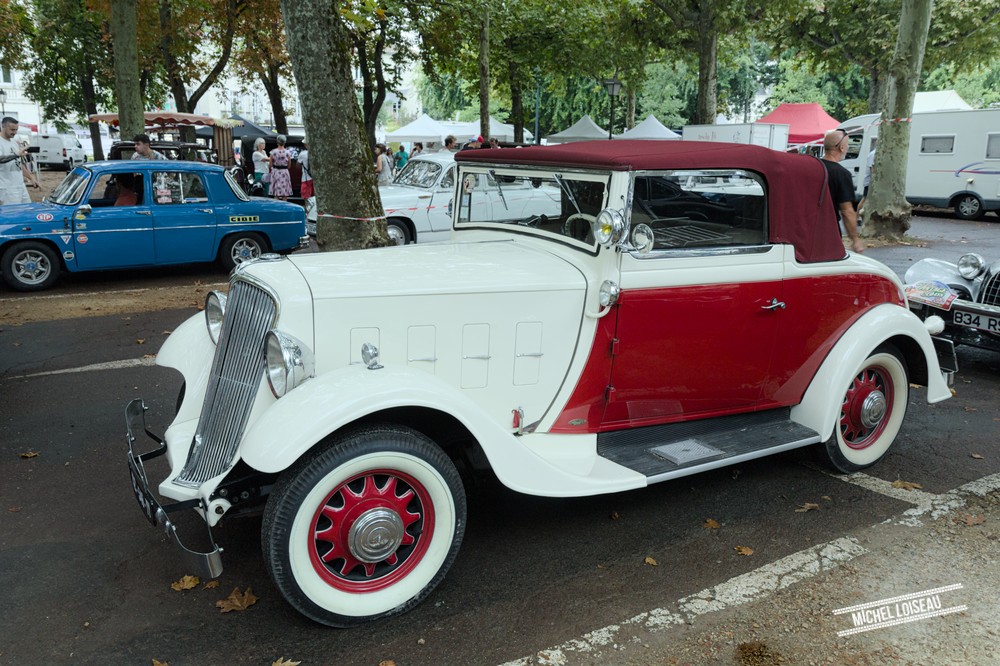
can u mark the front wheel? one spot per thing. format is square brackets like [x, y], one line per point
[30, 266]
[364, 527]
[969, 207]
[871, 412]
[240, 247]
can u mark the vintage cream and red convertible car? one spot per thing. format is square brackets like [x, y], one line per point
[641, 330]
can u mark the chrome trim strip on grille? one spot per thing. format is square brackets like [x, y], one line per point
[236, 375]
[990, 293]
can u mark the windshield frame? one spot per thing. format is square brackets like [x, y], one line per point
[430, 167]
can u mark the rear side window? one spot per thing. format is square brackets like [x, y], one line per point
[993, 146]
[701, 209]
[178, 187]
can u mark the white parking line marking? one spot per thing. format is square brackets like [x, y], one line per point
[42, 297]
[736, 591]
[881, 486]
[110, 365]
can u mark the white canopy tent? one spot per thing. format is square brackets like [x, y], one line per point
[463, 131]
[424, 129]
[584, 129]
[650, 128]
[939, 100]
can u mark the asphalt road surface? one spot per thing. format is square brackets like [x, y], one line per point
[87, 581]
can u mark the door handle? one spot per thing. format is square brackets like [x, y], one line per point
[775, 304]
[143, 212]
[205, 210]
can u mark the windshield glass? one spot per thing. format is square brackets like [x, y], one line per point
[564, 205]
[418, 173]
[71, 188]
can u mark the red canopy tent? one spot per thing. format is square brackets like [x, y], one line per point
[807, 122]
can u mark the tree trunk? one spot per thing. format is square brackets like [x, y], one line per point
[629, 107]
[887, 211]
[516, 102]
[127, 94]
[351, 214]
[484, 73]
[272, 86]
[708, 74]
[90, 107]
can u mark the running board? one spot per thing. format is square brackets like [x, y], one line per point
[679, 449]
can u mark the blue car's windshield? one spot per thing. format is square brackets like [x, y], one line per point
[71, 189]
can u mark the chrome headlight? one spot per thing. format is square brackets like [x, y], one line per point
[289, 362]
[609, 227]
[215, 312]
[970, 265]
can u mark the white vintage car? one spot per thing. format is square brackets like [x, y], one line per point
[418, 202]
[635, 333]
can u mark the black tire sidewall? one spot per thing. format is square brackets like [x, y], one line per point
[298, 481]
[399, 224]
[20, 246]
[226, 249]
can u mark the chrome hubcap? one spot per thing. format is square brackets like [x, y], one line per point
[873, 409]
[375, 535]
[395, 234]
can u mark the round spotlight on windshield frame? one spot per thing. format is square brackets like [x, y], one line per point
[609, 293]
[971, 265]
[288, 362]
[609, 227]
[215, 313]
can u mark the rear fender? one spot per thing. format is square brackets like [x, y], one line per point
[821, 403]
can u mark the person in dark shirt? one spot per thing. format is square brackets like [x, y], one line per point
[841, 185]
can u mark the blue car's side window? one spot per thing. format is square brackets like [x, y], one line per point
[177, 187]
[117, 189]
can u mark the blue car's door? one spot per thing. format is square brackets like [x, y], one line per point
[183, 217]
[118, 229]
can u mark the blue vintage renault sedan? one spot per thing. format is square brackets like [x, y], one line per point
[136, 213]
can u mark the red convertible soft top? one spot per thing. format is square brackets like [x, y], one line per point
[798, 197]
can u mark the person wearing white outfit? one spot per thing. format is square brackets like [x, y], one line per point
[13, 166]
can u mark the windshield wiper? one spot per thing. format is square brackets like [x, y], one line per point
[499, 189]
[565, 188]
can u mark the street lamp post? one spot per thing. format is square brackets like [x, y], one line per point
[3, 102]
[613, 86]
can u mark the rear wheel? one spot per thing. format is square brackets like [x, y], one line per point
[969, 207]
[871, 412]
[364, 527]
[30, 266]
[240, 247]
[399, 233]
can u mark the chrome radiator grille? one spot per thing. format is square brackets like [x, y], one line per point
[236, 375]
[990, 293]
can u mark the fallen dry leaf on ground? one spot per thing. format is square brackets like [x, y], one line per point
[711, 524]
[614, 515]
[905, 485]
[743, 550]
[237, 601]
[157, 662]
[971, 409]
[970, 520]
[650, 561]
[285, 662]
[185, 583]
[808, 506]
[140, 341]
[29, 454]
[976, 456]
[211, 585]
[387, 662]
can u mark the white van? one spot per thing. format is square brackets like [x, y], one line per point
[63, 151]
[953, 160]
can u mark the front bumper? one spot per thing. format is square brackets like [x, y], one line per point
[206, 564]
[960, 311]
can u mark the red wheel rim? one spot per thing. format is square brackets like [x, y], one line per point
[375, 491]
[856, 427]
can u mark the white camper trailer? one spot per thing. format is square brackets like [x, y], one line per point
[769, 135]
[953, 160]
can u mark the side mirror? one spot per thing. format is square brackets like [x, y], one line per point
[83, 211]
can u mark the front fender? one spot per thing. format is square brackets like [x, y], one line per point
[322, 405]
[822, 401]
[935, 270]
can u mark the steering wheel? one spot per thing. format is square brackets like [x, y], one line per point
[579, 226]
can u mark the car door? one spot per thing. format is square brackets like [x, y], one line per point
[184, 219]
[106, 235]
[440, 205]
[697, 316]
